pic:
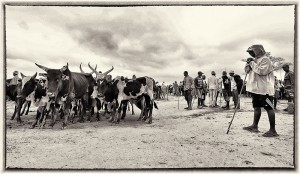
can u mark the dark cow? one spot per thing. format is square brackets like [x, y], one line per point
[75, 85]
[93, 102]
[19, 92]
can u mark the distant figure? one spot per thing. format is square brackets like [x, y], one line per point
[133, 77]
[205, 90]
[234, 91]
[289, 83]
[187, 88]
[226, 89]
[15, 79]
[212, 85]
[175, 88]
[277, 90]
[198, 81]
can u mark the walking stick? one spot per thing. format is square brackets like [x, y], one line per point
[235, 109]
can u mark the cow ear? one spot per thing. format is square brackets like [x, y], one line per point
[22, 75]
[34, 76]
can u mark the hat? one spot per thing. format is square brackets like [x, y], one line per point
[231, 72]
[200, 72]
[285, 65]
[224, 73]
[213, 73]
[15, 73]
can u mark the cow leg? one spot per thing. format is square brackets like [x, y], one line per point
[98, 106]
[124, 106]
[132, 113]
[14, 114]
[142, 100]
[66, 113]
[54, 115]
[28, 106]
[41, 111]
[94, 103]
[43, 118]
[150, 112]
[36, 119]
[24, 107]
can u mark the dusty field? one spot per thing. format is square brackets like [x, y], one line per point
[176, 139]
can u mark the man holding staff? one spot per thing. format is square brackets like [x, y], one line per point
[261, 84]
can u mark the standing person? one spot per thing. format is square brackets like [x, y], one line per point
[199, 88]
[289, 83]
[181, 88]
[133, 77]
[219, 90]
[234, 91]
[239, 84]
[277, 90]
[261, 84]
[281, 87]
[226, 89]
[15, 79]
[163, 90]
[204, 92]
[187, 88]
[212, 87]
[175, 88]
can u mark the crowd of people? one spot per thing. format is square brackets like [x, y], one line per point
[262, 85]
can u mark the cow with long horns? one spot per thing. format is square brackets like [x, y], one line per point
[75, 85]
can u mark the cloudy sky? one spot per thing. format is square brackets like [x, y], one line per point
[157, 41]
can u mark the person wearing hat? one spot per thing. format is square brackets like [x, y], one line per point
[234, 91]
[198, 81]
[261, 85]
[15, 79]
[226, 89]
[289, 83]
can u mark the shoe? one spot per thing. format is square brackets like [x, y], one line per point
[270, 134]
[186, 108]
[251, 129]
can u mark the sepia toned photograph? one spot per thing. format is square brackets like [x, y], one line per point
[149, 86]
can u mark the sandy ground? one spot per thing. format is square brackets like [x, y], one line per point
[177, 138]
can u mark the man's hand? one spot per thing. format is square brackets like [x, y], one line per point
[249, 60]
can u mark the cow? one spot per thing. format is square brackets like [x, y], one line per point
[19, 92]
[93, 102]
[122, 91]
[74, 85]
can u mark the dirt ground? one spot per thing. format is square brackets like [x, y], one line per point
[177, 138]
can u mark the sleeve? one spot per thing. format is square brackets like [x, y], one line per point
[263, 68]
[292, 79]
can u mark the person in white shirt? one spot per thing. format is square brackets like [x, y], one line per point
[261, 84]
[212, 85]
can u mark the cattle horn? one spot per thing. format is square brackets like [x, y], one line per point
[34, 76]
[42, 67]
[105, 73]
[22, 75]
[94, 70]
[81, 68]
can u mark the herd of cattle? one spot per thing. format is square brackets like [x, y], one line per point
[69, 94]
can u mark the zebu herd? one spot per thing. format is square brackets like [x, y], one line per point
[69, 94]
